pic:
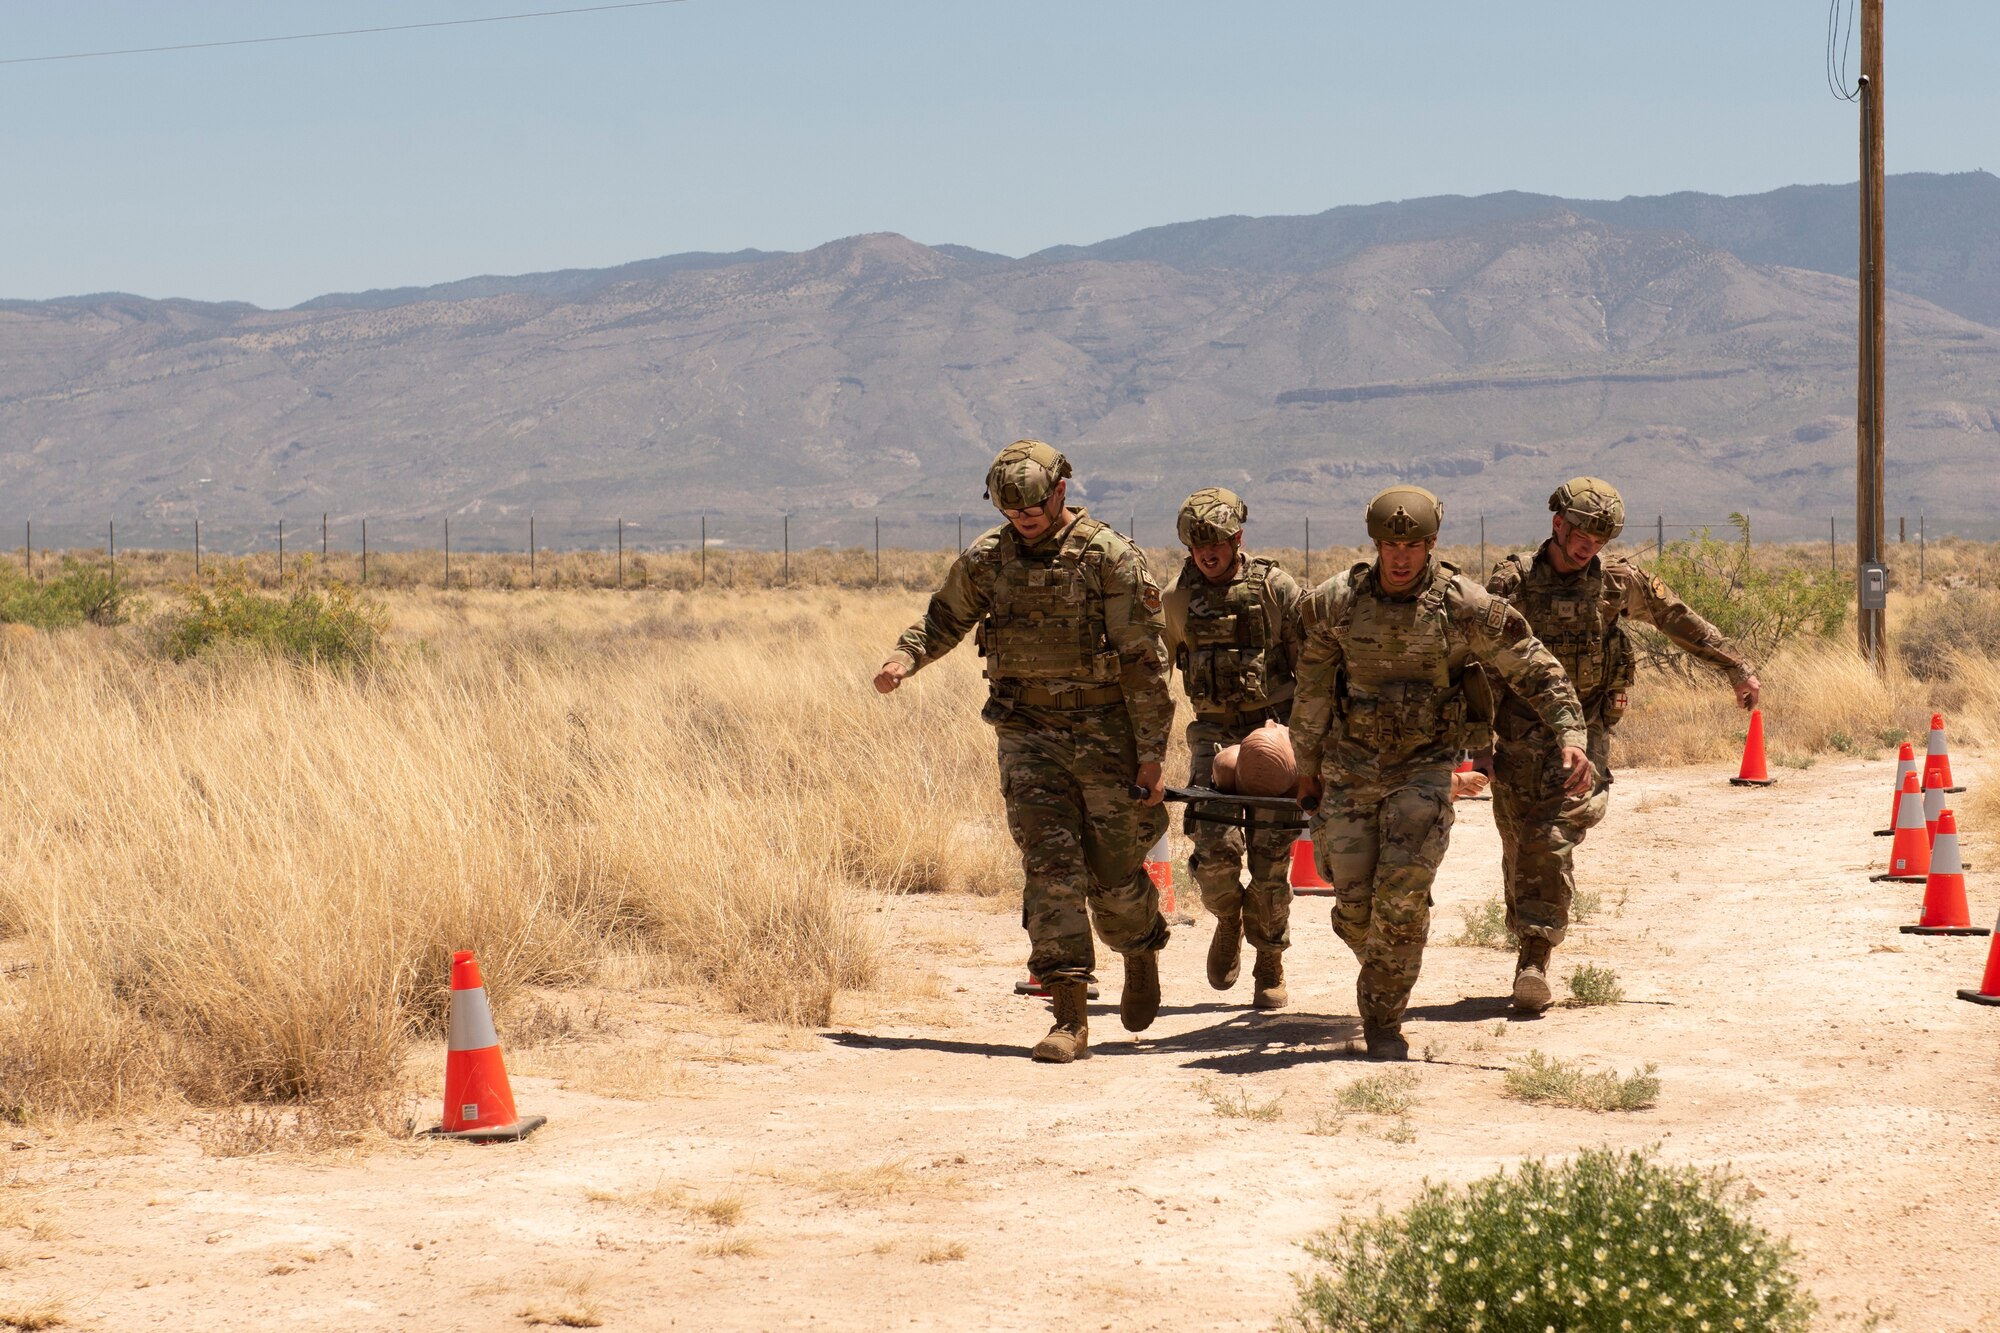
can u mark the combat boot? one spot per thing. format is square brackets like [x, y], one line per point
[1225, 951]
[1270, 978]
[1531, 976]
[1139, 1002]
[1069, 1039]
[1385, 1041]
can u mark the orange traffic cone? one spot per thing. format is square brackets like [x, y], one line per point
[1161, 871]
[1305, 872]
[1906, 762]
[478, 1103]
[1753, 772]
[1935, 759]
[1910, 853]
[1944, 891]
[1933, 807]
[1989, 985]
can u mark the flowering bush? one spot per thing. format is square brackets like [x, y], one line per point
[1606, 1242]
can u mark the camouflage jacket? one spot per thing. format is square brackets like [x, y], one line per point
[1381, 679]
[1106, 625]
[1235, 643]
[1581, 618]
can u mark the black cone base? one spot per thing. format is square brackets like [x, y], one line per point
[513, 1133]
[1753, 782]
[1944, 930]
[1899, 879]
[1885, 833]
[1977, 998]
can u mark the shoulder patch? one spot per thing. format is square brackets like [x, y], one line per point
[1496, 615]
[1658, 588]
[1149, 594]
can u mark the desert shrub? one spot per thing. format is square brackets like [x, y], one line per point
[1607, 1241]
[1539, 1080]
[1964, 620]
[324, 623]
[1485, 927]
[1757, 603]
[81, 592]
[1592, 985]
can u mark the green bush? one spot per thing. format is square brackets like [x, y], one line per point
[1485, 927]
[1539, 1080]
[1606, 1242]
[80, 592]
[1592, 985]
[327, 624]
[1757, 603]
[1965, 620]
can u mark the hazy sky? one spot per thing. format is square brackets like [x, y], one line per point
[273, 173]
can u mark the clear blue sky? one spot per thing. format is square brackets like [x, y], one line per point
[273, 173]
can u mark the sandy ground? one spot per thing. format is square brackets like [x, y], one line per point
[909, 1167]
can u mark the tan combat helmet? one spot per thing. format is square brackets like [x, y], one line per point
[1404, 514]
[1024, 475]
[1211, 515]
[1590, 504]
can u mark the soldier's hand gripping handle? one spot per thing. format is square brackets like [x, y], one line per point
[1747, 691]
[1151, 783]
[1308, 793]
[1580, 774]
[891, 675]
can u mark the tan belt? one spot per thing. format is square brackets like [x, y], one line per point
[1034, 696]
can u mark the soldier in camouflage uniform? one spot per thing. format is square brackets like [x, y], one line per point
[1380, 716]
[1577, 602]
[1068, 620]
[1233, 630]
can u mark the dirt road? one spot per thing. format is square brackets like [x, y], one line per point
[909, 1167]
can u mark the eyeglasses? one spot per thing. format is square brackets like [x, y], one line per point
[1033, 511]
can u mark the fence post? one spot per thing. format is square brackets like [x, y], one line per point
[364, 552]
[197, 550]
[961, 532]
[1920, 550]
[1483, 566]
[31, 548]
[621, 553]
[281, 553]
[878, 550]
[322, 545]
[447, 555]
[1902, 529]
[701, 580]
[531, 550]
[1659, 535]
[788, 549]
[1309, 551]
[1832, 538]
[111, 549]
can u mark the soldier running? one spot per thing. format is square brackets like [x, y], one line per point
[1069, 624]
[1233, 631]
[1577, 602]
[1380, 716]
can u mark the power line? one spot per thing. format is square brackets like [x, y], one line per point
[1837, 46]
[343, 32]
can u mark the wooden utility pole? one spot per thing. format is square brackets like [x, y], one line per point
[1868, 456]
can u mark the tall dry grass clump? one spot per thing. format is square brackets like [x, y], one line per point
[243, 878]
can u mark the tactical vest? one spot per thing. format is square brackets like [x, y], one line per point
[1580, 621]
[1046, 620]
[1398, 692]
[1227, 658]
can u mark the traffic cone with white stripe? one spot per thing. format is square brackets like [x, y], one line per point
[1161, 871]
[1945, 912]
[1933, 807]
[1906, 762]
[478, 1103]
[1910, 853]
[1306, 882]
[1936, 761]
[1989, 985]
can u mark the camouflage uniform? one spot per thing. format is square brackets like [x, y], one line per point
[1580, 617]
[1236, 651]
[1070, 630]
[1380, 716]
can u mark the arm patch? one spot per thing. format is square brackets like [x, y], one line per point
[1496, 615]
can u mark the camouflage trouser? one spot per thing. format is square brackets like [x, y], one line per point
[1083, 839]
[1540, 827]
[1217, 862]
[1379, 843]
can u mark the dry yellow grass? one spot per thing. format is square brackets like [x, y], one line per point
[244, 880]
